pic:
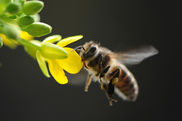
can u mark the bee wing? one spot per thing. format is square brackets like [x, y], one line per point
[135, 56]
[77, 79]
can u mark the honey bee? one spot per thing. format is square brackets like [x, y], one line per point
[108, 68]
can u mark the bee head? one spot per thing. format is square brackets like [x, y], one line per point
[89, 50]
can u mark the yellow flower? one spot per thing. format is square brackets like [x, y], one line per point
[25, 35]
[72, 63]
[8, 42]
[13, 43]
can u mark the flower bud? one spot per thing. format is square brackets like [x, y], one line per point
[25, 21]
[38, 29]
[52, 51]
[32, 7]
[13, 8]
[11, 31]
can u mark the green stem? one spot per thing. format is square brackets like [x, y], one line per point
[28, 43]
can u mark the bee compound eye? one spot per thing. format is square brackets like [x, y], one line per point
[92, 49]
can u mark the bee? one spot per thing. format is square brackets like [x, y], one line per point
[109, 69]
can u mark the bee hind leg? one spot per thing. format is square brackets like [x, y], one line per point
[111, 100]
[110, 88]
[109, 93]
[88, 82]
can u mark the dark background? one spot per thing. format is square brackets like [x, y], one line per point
[26, 95]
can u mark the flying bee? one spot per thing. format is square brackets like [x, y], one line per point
[108, 68]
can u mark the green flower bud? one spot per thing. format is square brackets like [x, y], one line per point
[13, 8]
[25, 21]
[11, 31]
[38, 29]
[32, 7]
[52, 51]
[1, 42]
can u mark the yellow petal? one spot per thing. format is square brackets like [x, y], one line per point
[9, 42]
[25, 35]
[42, 64]
[57, 72]
[69, 40]
[73, 63]
[52, 39]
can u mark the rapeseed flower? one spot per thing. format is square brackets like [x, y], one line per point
[59, 60]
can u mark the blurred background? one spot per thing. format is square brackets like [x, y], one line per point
[26, 95]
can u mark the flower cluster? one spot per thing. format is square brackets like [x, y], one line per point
[20, 24]
[21, 18]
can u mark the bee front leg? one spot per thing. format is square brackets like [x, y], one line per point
[88, 82]
[78, 49]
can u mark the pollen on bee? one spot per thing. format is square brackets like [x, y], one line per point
[102, 87]
[114, 81]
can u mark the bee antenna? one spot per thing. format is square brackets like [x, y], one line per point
[79, 48]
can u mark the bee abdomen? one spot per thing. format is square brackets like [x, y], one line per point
[127, 85]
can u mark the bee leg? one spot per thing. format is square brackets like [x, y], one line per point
[110, 89]
[111, 100]
[110, 92]
[101, 84]
[77, 49]
[103, 87]
[88, 82]
[102, 74]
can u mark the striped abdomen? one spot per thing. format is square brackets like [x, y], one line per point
[126, 87]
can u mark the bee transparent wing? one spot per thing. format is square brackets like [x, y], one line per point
[135, 56]
[78, 79]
